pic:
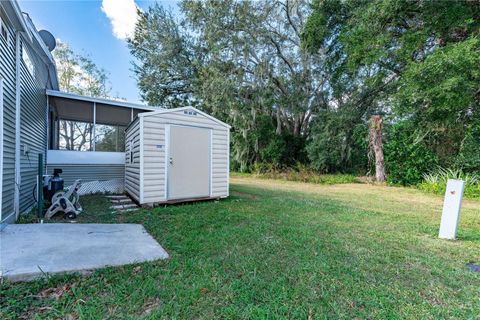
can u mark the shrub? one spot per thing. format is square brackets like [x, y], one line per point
[468, 157]
[407, 156]
[338, 143]
[301, 173]
[436, 182]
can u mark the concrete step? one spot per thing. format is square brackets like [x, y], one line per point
[122, 203]
[124, 206]
[120, 200]
[118, 197]
[128, 206]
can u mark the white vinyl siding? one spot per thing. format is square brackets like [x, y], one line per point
[7, 71]
[33, 124]
[153, 160]
[132, 161]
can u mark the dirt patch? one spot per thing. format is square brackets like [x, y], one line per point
[244, 195]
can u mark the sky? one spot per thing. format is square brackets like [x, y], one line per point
[98, 29]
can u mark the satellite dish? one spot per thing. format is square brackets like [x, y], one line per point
[48, 39]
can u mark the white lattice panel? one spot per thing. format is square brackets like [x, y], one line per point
[114, 186]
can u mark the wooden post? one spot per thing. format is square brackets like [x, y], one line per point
[376, 145]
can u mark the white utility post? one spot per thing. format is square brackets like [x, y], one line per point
[451, 209]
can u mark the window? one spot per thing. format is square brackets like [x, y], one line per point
[109, 138]
[28, 62]
[3, 31]
[129, 153]
[75, 135]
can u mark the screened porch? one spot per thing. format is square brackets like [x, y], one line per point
[79, 123]
[86, 139]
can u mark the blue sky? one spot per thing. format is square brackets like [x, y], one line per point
[89, 31]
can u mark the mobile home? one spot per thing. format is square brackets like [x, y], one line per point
[27, 69]
[35, 117]
[171, 155]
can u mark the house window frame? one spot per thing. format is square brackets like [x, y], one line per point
[129, 150]
[27, 60]
[3, 28]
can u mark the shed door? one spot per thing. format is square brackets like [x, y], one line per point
[189, 162]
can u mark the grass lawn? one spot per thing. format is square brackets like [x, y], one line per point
[278, 249]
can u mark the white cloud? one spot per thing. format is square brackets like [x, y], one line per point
[122, 15]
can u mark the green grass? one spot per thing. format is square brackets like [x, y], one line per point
[279, 249]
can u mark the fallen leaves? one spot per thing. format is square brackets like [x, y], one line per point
[137, 269]
[54, 293]
[151, 305]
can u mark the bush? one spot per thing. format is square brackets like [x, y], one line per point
[284, 149]
[407, 156]
[436, 182]
[301, 173]
[468, 157]
[338, 142]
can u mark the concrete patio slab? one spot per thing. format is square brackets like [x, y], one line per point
[27, 251]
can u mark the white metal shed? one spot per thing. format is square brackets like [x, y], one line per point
[175, 155]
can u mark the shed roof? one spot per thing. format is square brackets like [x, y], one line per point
[147, 114]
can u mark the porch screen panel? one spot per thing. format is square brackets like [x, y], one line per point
[75, 135]
[113, 115]
[109, 138]
[68, 109]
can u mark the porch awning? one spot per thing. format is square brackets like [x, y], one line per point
[74, 107]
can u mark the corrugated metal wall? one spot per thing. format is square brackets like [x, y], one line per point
[7, 70]
[89, 172]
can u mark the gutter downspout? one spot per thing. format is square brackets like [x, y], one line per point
[47, 145]
[17, 125]
[92, 141]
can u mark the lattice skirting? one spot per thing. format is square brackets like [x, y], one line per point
[114, 186]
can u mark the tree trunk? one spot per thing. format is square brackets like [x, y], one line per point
[376, 145]
[279, 123]
[296, 126]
